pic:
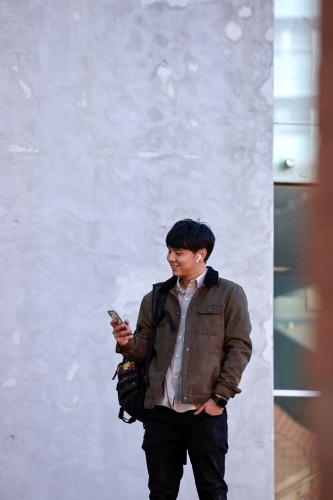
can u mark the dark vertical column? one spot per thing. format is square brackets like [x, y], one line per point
[322, 254]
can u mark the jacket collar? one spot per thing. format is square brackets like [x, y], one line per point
[211, 279]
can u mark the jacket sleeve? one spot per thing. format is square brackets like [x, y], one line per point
[136, 347]
[237, 344]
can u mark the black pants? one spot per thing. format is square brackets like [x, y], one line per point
[166, 444]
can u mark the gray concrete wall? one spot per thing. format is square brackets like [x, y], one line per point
[117, 118]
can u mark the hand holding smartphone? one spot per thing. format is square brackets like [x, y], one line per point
[115, 315]
[121, 335]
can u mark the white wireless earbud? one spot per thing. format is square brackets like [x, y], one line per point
[199, 258]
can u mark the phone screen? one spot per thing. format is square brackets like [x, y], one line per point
[114, 315]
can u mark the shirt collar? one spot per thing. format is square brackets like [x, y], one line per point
[199, 281]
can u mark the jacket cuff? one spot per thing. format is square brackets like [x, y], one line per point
[127, 349]
[225, 392]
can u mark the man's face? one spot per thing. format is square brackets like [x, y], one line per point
[183, 262]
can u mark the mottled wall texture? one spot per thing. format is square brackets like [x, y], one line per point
[117, 118]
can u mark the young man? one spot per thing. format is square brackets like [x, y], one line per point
[196, 368]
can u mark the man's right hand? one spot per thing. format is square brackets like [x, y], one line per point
[122, 333]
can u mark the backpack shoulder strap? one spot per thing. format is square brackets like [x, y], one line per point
[158, 312]
[156, 316]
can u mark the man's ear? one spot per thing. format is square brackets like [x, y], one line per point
[203, 253]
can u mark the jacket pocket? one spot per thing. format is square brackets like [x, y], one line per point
[210, 319]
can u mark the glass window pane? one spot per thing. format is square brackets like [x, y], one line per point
[295, 297]
[297, 470]
[290, 8]
[296, 302]
[298, 143]
[296, 69]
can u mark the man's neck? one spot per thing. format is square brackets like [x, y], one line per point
[184, 281]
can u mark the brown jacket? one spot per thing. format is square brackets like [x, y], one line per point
[217, 345]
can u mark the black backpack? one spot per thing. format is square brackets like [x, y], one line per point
[133, 376]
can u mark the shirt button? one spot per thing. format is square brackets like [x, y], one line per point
[180, 337]
[185, 397]
[177, 355]
[189, 328]
[187, 348]
[186, 298]
[185, 372]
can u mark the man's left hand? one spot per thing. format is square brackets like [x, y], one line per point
[210, 407]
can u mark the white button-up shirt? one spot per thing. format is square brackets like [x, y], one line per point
[172, 381]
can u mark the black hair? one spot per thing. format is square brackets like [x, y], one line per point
[191, 235]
